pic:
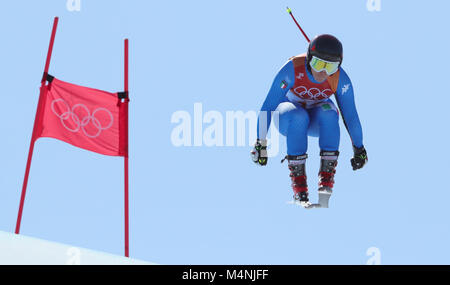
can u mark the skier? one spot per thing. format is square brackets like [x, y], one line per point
[301, 95]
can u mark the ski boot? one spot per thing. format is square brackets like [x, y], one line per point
[328, 163]
[296, 165]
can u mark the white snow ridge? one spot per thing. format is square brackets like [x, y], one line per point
[22, 250]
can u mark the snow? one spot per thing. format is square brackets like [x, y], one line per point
[23, 250]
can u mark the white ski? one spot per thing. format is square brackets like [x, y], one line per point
[324, 198]
[306, 205]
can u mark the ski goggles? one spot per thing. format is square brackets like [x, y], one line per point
[319, 64]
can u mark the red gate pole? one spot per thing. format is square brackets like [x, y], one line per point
[33, 139]
[127, 235]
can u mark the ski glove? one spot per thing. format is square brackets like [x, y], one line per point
[259, 152]
[359, 158]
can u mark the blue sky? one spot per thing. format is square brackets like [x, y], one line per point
[212, 205]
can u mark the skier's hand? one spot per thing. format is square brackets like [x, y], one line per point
[359, 158]
[259, 152]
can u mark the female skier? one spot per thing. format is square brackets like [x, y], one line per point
[301, 95]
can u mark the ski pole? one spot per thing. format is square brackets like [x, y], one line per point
[293, 18]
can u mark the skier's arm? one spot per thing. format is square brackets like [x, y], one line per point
[280, 86]
[346, 102]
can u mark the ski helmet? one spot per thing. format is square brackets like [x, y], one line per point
[326, 47]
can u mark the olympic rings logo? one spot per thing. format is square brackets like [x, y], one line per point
[312, 93]
[82, 123]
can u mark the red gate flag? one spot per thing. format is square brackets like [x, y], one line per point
[87, 118]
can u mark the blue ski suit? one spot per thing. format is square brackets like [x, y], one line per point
[305, 108]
